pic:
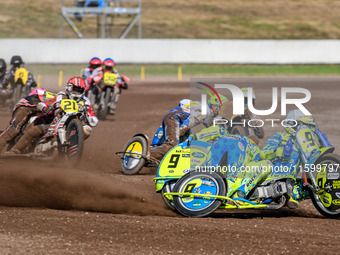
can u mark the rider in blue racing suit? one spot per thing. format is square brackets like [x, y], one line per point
[178, 121]
[175, 124]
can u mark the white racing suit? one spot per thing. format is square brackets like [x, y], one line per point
[41, 124]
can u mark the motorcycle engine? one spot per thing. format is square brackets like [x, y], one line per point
[273, 190]
[43, 147]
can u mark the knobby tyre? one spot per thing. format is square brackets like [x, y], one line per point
[75, 138]
[132, 163]
[322, 209]
[212, 183]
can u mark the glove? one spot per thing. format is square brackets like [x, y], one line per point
[279, 152]
[43, 107]
[124, 85]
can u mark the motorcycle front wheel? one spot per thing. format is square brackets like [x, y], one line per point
[210, 183]
[75, 139]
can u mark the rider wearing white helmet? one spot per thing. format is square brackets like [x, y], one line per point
[177, 122]
[172, 121]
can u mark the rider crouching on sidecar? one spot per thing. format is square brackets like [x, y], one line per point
[176, 124]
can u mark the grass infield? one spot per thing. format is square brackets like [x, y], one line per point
[195, 70]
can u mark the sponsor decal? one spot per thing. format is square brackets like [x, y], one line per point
[186, 155]
[197, 191]
[205, 135]
[333, 176]
[326, 201]
[171, 171]
[240, 145]
[207, 198]
[195, 161]
[337, 194]
[196, 204]
[336, 184]
[187, 200]
[336, 201]
[207, 183]
[234, 137]
[186, 171]
[254, 176]
[198, 155]
[160, 134]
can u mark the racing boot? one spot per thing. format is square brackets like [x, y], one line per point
[11, 152]
[257, 172]
[292, 203]
[112, 108]
[112, 111]
[239, 194]
[293, 195]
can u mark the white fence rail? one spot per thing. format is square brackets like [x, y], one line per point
[167, 51]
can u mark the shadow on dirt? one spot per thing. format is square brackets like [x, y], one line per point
[280, 213]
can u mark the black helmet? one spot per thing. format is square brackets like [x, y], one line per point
[16, 61]
[3, 66]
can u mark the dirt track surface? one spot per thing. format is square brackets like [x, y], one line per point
[93, 209]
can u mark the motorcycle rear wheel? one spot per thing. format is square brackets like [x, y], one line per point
[327, 159]
[132, 164]
[102, 111]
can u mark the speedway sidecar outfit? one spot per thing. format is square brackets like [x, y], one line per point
[41, 125]
[24, 108]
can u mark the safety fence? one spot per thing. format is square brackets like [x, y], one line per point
[173, 51]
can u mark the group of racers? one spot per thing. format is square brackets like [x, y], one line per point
[95, 73]
[44, 104]
[177, 122]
